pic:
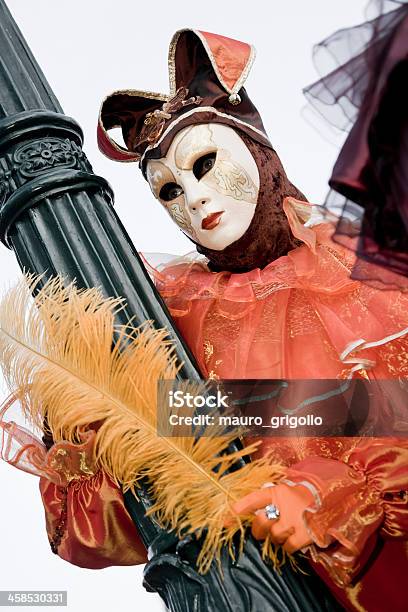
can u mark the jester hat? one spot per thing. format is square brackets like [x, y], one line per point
[207, 73]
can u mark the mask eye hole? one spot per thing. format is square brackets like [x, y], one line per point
[204, 164]
[170, 191]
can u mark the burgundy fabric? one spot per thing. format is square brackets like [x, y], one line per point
[199, 118]
[369, 91]
[269, 236]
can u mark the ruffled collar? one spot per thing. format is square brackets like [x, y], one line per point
[319, 265]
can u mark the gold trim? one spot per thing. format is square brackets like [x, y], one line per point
[152, 95]
[172, 67]
[204, 109]
[171, 59]
[133, 156]
[352, 594]
[244, 75]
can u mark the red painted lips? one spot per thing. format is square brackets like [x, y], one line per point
[212, 220]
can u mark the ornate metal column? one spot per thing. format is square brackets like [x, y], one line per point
[58, 217]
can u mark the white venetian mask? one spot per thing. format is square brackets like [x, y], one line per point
[208, 182]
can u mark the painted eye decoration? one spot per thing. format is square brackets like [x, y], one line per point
[170, 191]
[204, 164]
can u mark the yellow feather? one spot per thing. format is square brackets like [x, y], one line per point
[65, 358]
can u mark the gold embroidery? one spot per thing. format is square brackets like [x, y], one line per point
[197, 141]
[227, 176]
[262, 291]
[352, 594]
[231, 179]
[60, 465]
[302, 317]
[337, 255]
[394, 355]
[203, 109]
[178, 212]
[158, 174]
[208, 350]
[83, 465]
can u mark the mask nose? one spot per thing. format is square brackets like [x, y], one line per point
[198, 206]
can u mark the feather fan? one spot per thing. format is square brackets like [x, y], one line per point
[65, 358]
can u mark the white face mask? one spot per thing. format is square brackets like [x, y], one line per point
[208, 182]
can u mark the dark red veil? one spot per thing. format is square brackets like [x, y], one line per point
[366, 94]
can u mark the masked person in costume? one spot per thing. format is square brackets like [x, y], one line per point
[269, 296]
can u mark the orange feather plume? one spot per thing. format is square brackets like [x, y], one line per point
[65, 359]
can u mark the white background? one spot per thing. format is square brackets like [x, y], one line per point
[88, 49]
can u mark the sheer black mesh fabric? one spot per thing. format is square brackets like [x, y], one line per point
[364, 91]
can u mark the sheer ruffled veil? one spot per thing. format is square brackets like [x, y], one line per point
[362, 91]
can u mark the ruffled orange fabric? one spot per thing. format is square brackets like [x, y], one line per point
[60, 464]
[302, 317]
[299, 317]
[86, 519]
[363, 493]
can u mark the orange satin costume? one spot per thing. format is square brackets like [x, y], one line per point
[299, 317]
[86, 519]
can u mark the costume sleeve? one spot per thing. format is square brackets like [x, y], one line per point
[360, 495]
[87, 522]
[86, 518]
